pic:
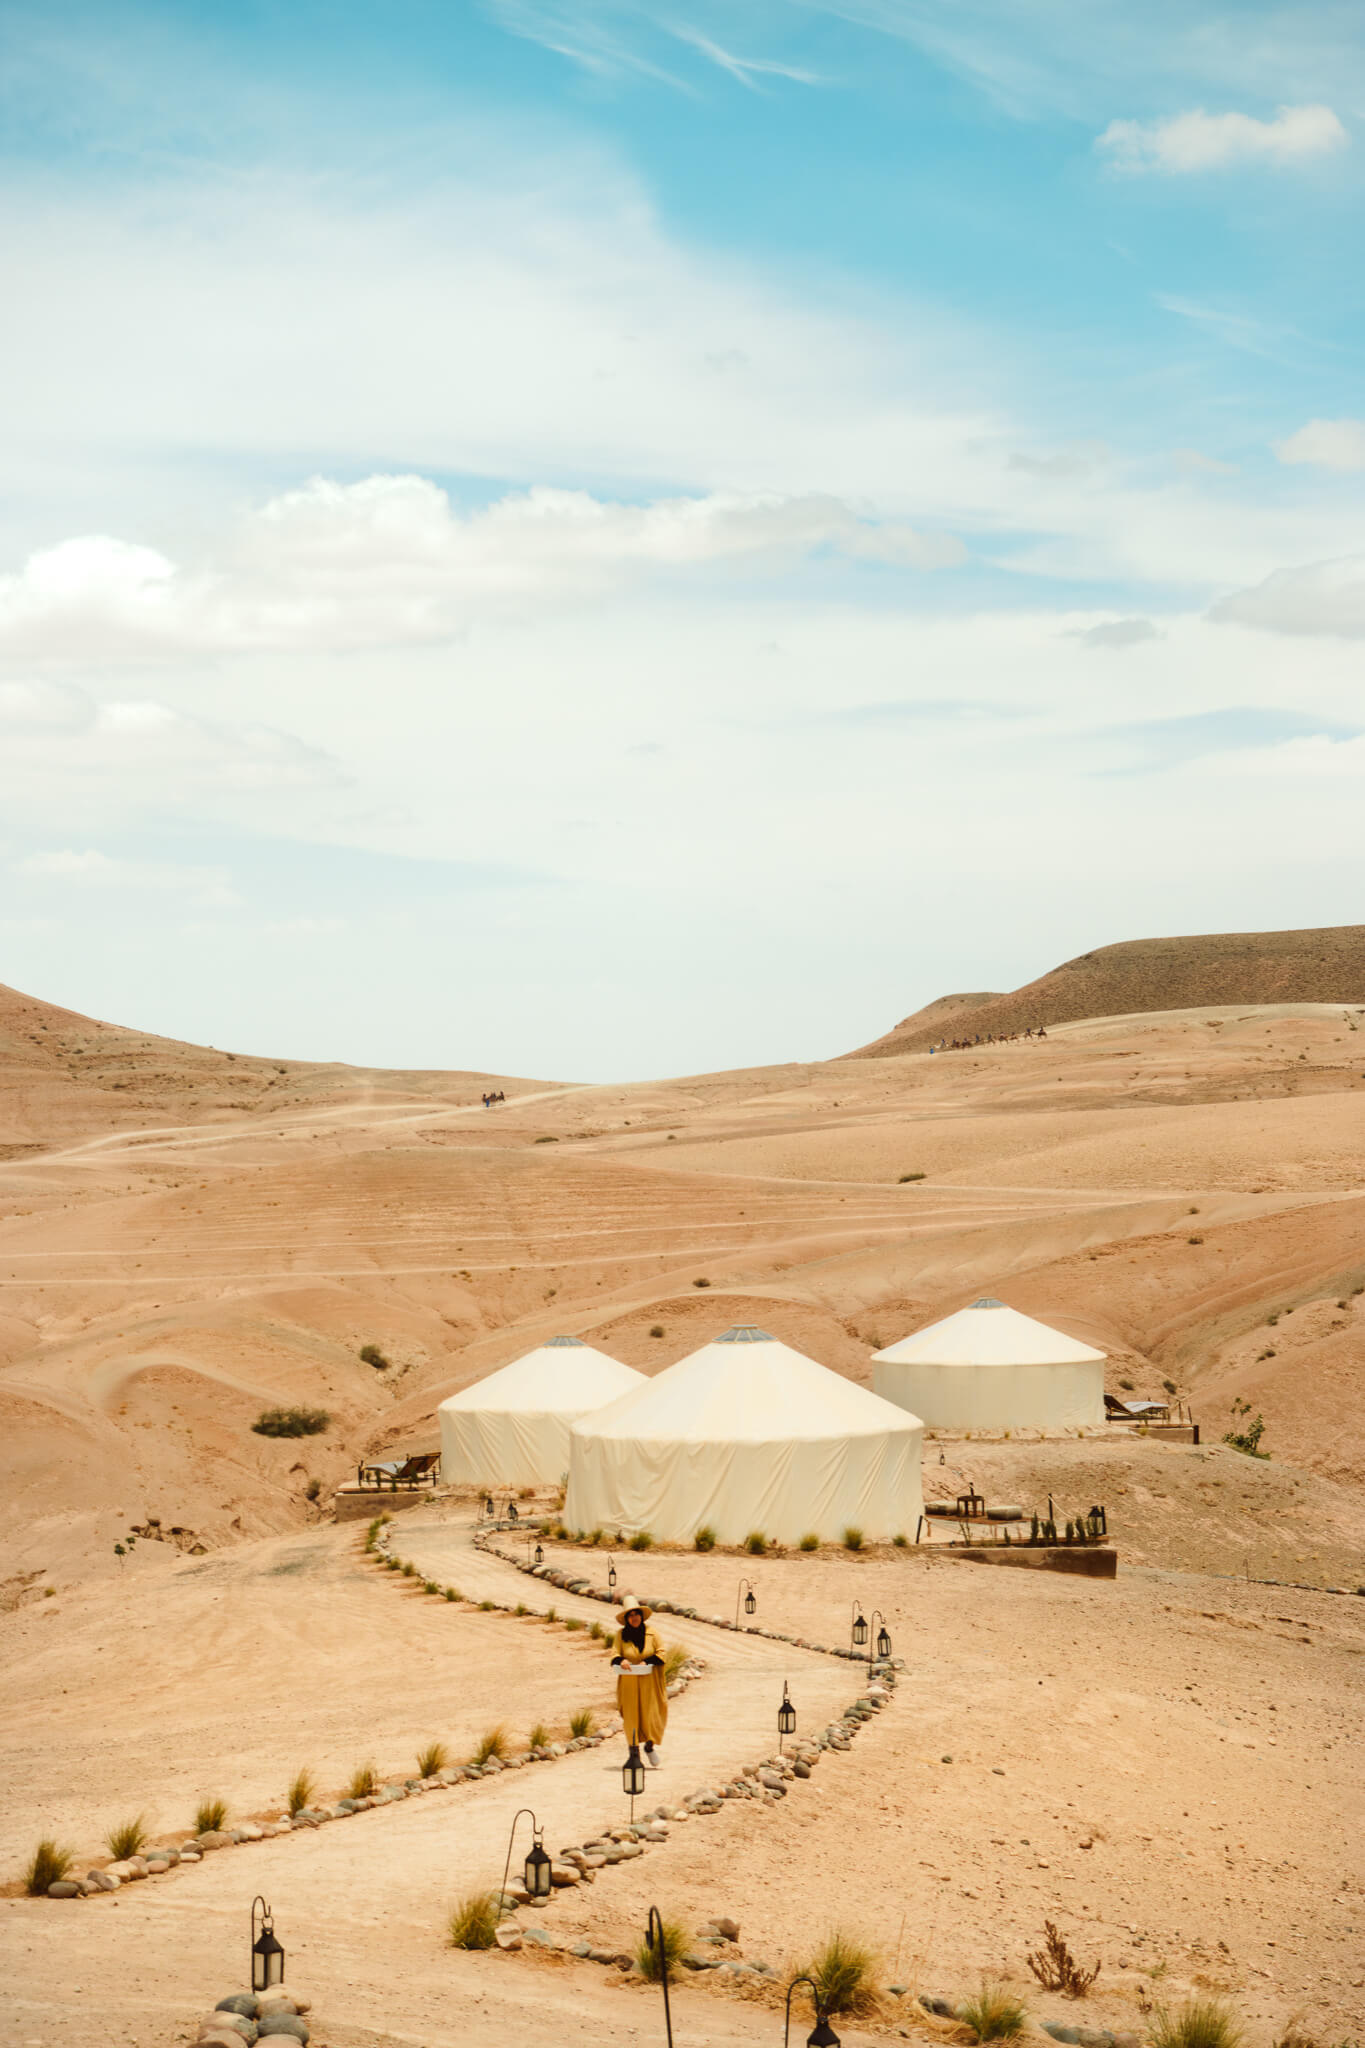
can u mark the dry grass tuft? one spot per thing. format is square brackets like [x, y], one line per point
[432, 1759]
[1199, 2023]
[474, 1922]
[653, 1955]
[583, 1722]
[47, 1865]
[210, 1816]
[364, 1782]
[302, 1791]
[994, 2013]
[127, 1839]
[845, 1974]
[494, 1743]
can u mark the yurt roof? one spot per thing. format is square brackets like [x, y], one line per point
[988, 1333]
[563, 1374]
[746, 1387]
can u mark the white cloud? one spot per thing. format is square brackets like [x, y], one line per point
[40, 706]
[744, 69]
[1199, 141]
[1072, 458]
[1325, 598]
[1118, 633]
[1329, 444]
[1195, 463]
[386, 561]
[209, 887]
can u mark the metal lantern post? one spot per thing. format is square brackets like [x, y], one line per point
[267, 1957]
[750, 1599]
[786, 1717]
[822, 2034]
[655, 1943]
[536, 1870]
[859, 1630]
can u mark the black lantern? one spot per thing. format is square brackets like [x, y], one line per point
[822, 2034]
[611, 1574]
[750, 1604]
[786, 1717]
[883, 1643]
[536, 1869]
[540, 1553]
[267, 1957]
[745, 1589]
[859, 1626]
[633, 1775]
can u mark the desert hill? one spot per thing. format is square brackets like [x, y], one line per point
[1146, 975]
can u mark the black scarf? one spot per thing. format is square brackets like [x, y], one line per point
[635, 1637]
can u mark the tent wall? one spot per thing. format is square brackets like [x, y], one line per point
[785, 1488]
[503, 1447]
[1047, 1397]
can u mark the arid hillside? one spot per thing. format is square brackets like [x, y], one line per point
[1214, 968]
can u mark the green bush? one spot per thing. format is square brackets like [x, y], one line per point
[372, 1355]
[994, 2013]
[364, 1782]
[494, 1743]
[853, 1538]
[301, 1792]
[432, 1759]
[656, 1330]
[430, 1586]
[810, 1541]
[844, 1972]
[705, 1538]
[1199, 2023]
[1249, 1438]
[583, 1722]
[912, 1176]
[641, 1540]
[291, 1422]
[539, 1737]
[901, 1540]
[756, 1543]
[452, 1592]
[47, 1865]
[210, 1816]
[701, 1283]
[474, 1922]
[126, 1840]
[652, 1955]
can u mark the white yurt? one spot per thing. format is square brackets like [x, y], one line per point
[988, 1367]
[512, 1429]
[746, 1434]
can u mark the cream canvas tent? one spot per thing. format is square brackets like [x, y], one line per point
[512, 1429]
[988, 1367]
[746, 1434]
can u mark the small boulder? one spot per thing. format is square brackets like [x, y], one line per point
[215, 1838]
[508, 1936]
[63, 1888]
[224, 2035]
[102, 1880]
[729, 1928]
[241, 2002]
[284, 2023]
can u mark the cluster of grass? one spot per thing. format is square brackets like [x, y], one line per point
[432, 1759]
[370, 1354]
[654, 1954]
[210, 1816]
[994, 2013]
[912, 1176]
[364, 1782]
[705, 1538]
[47, 1865]
[127, 1839]
[852, 1538]
[291, 1422]
[844, 1972]
[810, 1541]
[302, 1792]
[474, 1922]
[452, 1593]
[583, 1722]
[641, 1540]
[1199, 2023]
[756, 1543]
[493, 1744]
[539, 1737]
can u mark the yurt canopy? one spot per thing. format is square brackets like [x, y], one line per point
[988, 1367]
[746, 1434]
[512, 1429]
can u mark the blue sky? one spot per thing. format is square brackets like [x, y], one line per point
[662, 537]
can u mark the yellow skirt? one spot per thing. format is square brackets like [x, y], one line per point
[643, 1702]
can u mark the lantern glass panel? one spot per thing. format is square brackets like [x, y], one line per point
[883, 1643]
[537, 1873]
[750, 1604]
[633, 1776]
[786, 1717]
[860, 1630]
[267, 1961]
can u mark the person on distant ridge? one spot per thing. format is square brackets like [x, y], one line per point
[641, 1694]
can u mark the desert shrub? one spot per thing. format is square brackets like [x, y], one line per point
[1056, 1968]
[844, 1972]
[583, 1722]
[487, 1606]
[596, 1631]
[127, 1839]
[364, 1782]
[1194, 1240]
[370, 1354]
[210, 1816]
[1199, 2023]
[391, 1564]
[47, 1865]
[432, 1759]
[994, 2013]
[430, 1586]
[810, 1541]
[408, 1569]
[1127, 1386]
[539, 1737]
[656, 1329]
[705, 1538]
[372, 1533]
[701, 1283]
[301, 1792]
[291, 1422]
[641, 1540]
[572, 1621]
[901, 1540]
[852, 1538]
[521, 1608]
[911, 1176]
[756, 1543]
[674, 1659]
[547, 1141]
[652, 1955]
[597, 1537]
[1249, 1438]
[474, 1922]
[313, 1490]
[551, 1613]
[452, 1593]
[494, 1743]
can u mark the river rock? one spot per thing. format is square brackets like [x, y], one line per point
[242, 2003]
[223, 2036]
[284, 2023]
[508, 1936]
[102, 1880]
[63, 1888]
[214, 1838]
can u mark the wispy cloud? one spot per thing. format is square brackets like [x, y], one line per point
[745, 69]
[1318, 599]
[1326, 444]
[1199, 141]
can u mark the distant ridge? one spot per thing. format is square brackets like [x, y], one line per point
[1319, 966]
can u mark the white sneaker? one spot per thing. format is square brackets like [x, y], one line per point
[652, 1757]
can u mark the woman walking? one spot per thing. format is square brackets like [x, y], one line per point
[641, 1695]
